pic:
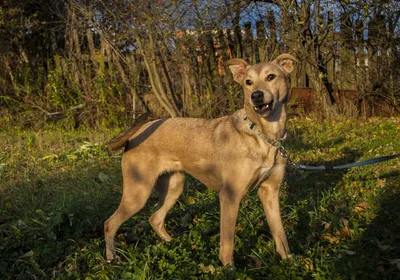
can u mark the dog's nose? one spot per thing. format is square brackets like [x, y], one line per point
[257, 96]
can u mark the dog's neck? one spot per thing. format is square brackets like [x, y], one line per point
[274, 125]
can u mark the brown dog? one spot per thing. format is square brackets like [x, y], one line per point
[228, 154]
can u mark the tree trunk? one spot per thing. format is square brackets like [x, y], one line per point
[89, 36]
[154, 76]
[10, 74]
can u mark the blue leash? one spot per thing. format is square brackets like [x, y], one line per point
[278, 144]
[344, 166]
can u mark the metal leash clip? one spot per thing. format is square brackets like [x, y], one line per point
[283, 152]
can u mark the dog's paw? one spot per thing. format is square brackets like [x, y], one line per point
[166, 238]
[287, 256]
[114, 260]
[229, 267]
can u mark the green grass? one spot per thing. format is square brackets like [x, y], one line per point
[58, 187]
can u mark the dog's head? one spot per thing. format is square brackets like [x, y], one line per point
[265, 84]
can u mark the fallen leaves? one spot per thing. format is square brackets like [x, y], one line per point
[330, 238]
[362, 207]
[238, 228]
[307, 264]
[326, 225]
[207, 268]
[380, 183]
[344, 230]
[191, 200]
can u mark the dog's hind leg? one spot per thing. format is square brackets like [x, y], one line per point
[269, 196]
[138, 183]
[170, 187]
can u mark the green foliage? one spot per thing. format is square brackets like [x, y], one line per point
[59, 186]
[56, 55]
[47, 96]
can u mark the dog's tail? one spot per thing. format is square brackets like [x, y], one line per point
[122, 139]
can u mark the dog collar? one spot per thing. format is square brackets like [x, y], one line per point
[277, 143]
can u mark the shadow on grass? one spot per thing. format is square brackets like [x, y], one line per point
[306, 189]
[44, 221]
[376, 255]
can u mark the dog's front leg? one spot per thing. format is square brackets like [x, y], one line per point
[269, 195]
[229, 202]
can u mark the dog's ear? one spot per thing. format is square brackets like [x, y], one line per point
[238, 68]
[286, 61]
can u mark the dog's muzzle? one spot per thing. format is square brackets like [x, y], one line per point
[259, 105]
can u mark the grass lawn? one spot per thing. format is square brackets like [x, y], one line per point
[58, 187]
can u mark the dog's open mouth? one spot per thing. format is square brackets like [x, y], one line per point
[263, 108]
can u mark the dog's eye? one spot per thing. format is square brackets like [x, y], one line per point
[270, 77]
[249, 82]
